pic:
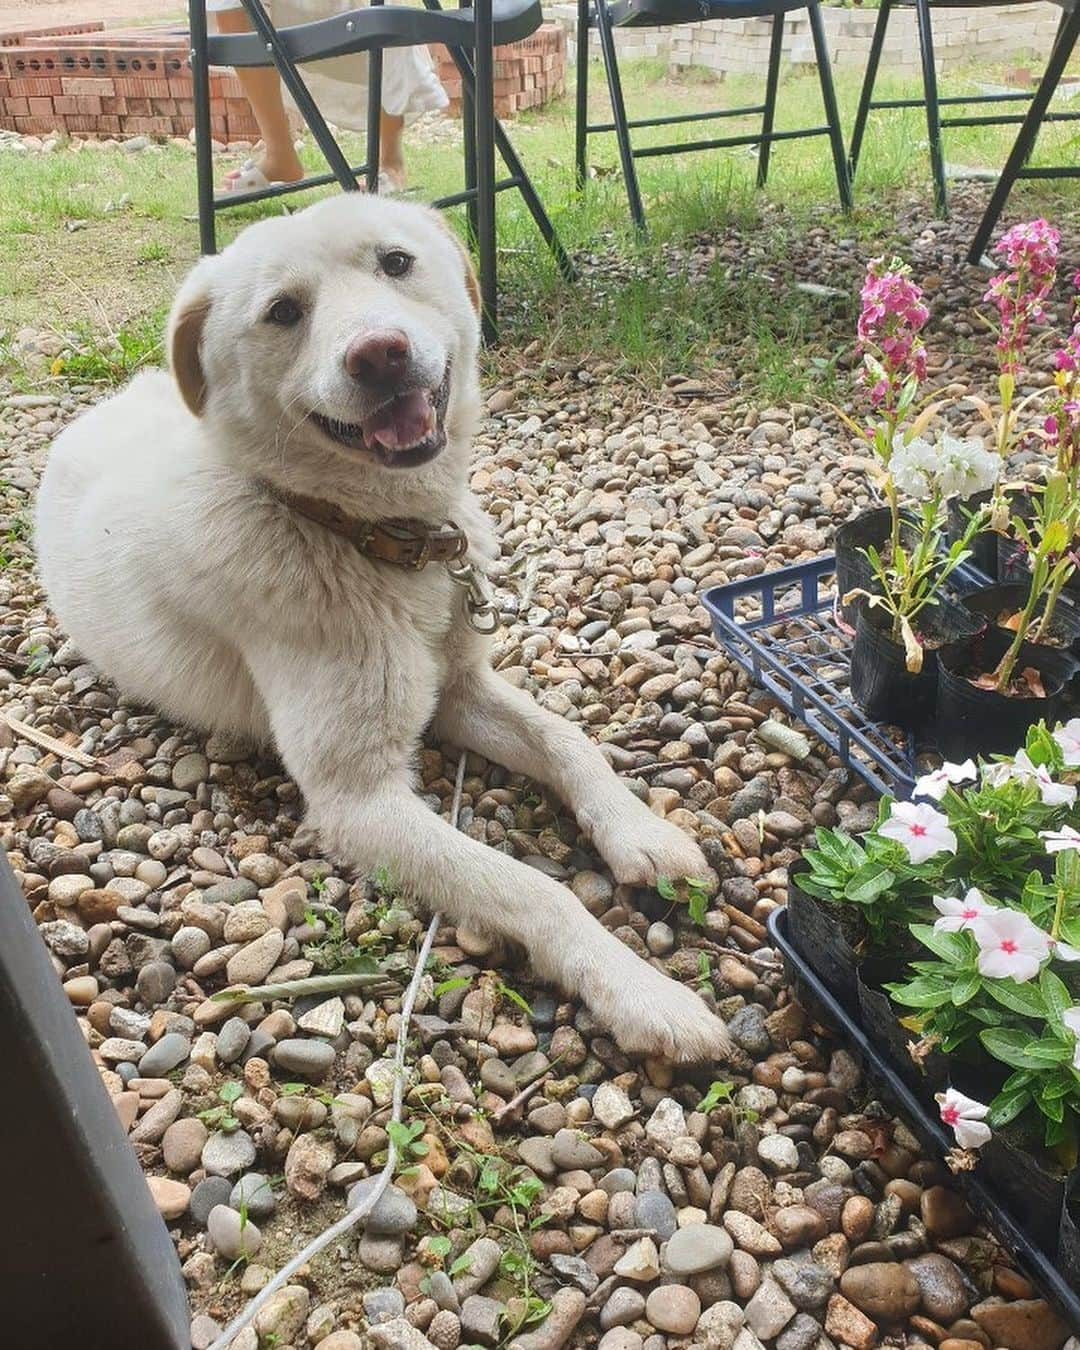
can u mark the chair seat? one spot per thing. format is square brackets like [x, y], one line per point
[360, 30]
[665, 13]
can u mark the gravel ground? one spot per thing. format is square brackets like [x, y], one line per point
[790, 1208]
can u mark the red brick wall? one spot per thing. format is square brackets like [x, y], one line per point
[91, 82]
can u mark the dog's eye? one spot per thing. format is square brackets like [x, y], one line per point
[396, 262]
[285, 312]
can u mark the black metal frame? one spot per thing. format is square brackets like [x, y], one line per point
[364, 31]
[1029, 121]
[107, 1275]
[598, 14]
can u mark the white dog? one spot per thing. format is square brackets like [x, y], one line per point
[204, 541]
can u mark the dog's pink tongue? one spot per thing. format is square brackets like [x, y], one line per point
[404, 422]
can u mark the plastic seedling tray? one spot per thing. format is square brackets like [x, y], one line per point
[784, 629]
[1055, 1285]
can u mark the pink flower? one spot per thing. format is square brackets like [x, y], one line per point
[1068, 739]
[1010, 946]
[1071, 1018]
[922, 831]
[1059, 840]
[956, 915]
[1030, 251]
[936, 783]
[892, 315]
[965, 1117]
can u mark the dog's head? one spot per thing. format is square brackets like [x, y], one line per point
[334, 351]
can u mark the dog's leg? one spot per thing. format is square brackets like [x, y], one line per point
[482, 712]
[358, 793]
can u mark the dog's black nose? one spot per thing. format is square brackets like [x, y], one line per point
[379, 357]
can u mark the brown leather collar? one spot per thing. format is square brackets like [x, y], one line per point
[404, 543]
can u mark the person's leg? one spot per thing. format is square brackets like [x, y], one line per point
[391, 153]
[262, 89]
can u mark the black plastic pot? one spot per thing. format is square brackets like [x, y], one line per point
[879, 1019]
[853, 572]
[973, 721]
[1069, 1238]
[1011, 554]
[881, 683]
[1010, 597]
[1033, 1193]
[821, 941]
[984, 545]
[1035, 1248]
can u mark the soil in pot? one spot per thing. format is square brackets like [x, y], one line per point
[984, 545]
[1001, 606]
[972, 720]
[853, 571]
[881, 683]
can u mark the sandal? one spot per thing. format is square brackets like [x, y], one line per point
[248, 178]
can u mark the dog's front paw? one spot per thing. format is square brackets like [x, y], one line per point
[652, 1015]
[639, 847]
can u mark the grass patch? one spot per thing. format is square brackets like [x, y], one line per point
[96, 240]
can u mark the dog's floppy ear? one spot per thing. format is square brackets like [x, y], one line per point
[184, 338]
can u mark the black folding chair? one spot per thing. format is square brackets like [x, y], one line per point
[605, 17]
[933, 102]
[471, 34]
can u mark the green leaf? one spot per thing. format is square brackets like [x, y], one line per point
[439, 1245]
[229, 1092]
[666, 887]
[514, 997]
[357, 965]
[1055, 994]
[697, 905]
[1006, 1106]
[1025, 999]
[965, 989]
[1012, 1047]
[950, 947]
[868, 883]
[461, 1265]
[455, 982]
[925, 992]
[718, 1092]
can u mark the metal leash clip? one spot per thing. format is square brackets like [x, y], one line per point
[483, 615]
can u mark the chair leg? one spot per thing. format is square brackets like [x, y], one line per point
[618, 112]
[374, 113]
[308, 108]
[484, 58]
[933, 111]
[581, 95]
[1029, 130]
[204, 165]
[771, 82]
[515, 168]
[828, 98]
[866, 96]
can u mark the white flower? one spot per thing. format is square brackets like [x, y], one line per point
[965, 1116]
[957, 915]
[1010, 946]
[923, 831]
[938, 782]
[965, 466]
[994, 775]
[1072, 1023]
[1062, 951]
[1068, 738]
[1057, 840]
[1053, 794]
[913, 467]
